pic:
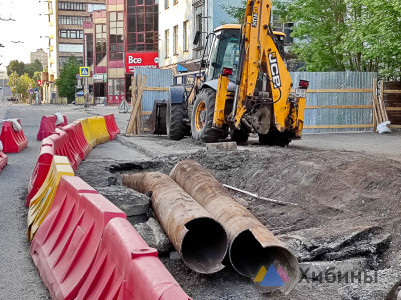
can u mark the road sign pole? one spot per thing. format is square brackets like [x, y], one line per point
[86, 92]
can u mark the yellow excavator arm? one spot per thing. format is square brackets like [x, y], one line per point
[261, 58]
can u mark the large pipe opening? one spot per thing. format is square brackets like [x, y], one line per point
[204, 245]
[248, 257]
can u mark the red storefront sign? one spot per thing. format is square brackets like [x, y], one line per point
[141, 60]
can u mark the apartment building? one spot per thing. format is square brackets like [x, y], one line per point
[178, 22]
[66, 20]
[119, 40]
[39, 55]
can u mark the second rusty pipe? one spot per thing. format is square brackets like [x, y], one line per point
[253, 249]
[200, 240]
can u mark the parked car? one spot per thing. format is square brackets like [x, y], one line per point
[11, 99]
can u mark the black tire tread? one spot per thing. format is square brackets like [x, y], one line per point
[176, 125]
[208, 134]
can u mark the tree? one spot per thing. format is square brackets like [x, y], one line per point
[36, 76]
[236, 12]
[31, 68]
[13, 79]
[16, 66]
[339, 35]
[67, 79]
[23, 84]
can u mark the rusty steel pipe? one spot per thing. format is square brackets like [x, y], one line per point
[253, 249]
[199, 239]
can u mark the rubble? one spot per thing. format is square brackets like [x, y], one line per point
[153, 234]
[128, 200]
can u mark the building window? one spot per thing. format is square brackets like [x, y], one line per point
[199, 27]
[70, 34]
[116, 36]
[71, 20]
[101, 42]
[92, 7]
[167, 40]
[77, 48]
[142, 26]
[175, 40]
[89, 49]
[71, 6]
[166, 4]
[185, 36]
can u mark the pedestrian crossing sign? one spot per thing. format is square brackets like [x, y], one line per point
[84, 71]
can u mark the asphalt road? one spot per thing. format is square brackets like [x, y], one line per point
[19, 278]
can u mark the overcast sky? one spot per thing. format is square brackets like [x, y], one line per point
[27, 28]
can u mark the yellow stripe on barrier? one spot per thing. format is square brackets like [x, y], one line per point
[42, 201]
[90, 138]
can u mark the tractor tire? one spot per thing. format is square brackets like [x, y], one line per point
[175, 125]
[239, 136]
[202, 118]
[274, 139]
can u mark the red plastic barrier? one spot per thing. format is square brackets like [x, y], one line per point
[13, 141]
[111, 126]
[81, 138]
[64, 147]
[48, 126]
[130, 268]
[65, 245]
[41, 169]
[77, 139]
[3, 160]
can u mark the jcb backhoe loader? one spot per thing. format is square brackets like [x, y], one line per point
[246, 87]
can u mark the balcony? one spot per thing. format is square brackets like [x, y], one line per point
[198, 3]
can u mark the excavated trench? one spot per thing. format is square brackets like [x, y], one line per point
[348, 211]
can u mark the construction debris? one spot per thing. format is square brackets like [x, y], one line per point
[153, 234]
[259, 197]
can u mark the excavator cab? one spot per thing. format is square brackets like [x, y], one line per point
[224, 53]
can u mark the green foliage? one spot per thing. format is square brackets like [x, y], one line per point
[67, 79]
[36, 66]
[13, 79]
[16, 66]
[339, 35]
[36, 76]
[22, 68]
[235, 12]
[23, 84]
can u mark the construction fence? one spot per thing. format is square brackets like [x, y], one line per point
[336, 101]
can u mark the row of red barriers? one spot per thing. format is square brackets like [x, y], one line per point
[48, 125]
[111, 126]
[68, 141]
[77, 138]
[13, 141]
[63, 146]
[86, 249]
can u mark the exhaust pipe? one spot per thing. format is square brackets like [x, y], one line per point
[253, 250]
[199, 239]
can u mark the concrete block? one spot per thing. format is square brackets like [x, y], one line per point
[224, 146]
